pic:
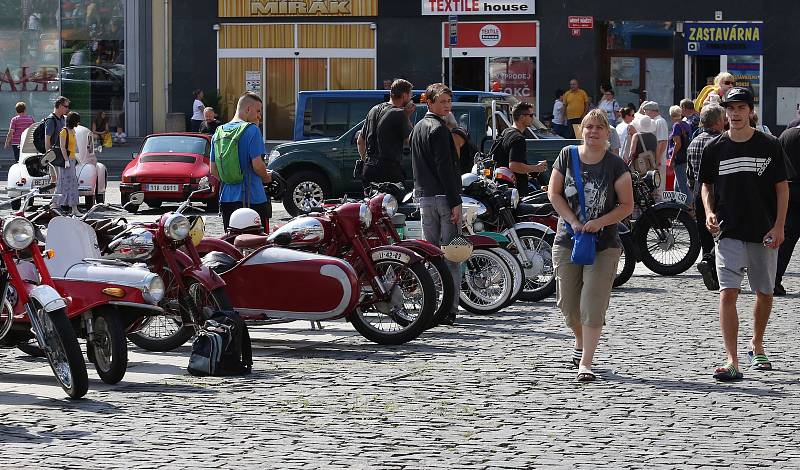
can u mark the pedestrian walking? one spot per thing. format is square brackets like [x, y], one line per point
[712, 124]
[690, 115]
[16, 127]
[437, 182]
[210, 121]
[790, 140]
[626, 115]
[53, 124]
[651, 109]
[723, 82]
[745, 194]
[609, 105]
[67, 183]
[678, 143]
[754, 122]
[591, 191]
[513, 151]
[385, 132]
[197, 111]
[559, 122]
[240, 141]
[576, 103]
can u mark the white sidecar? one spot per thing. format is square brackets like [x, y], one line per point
[92, 175]
[32, 170]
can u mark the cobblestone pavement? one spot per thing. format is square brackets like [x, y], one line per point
[490, 392]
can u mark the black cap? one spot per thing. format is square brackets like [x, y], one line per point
[738, 94]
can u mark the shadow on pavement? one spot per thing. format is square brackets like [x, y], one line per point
[704, 387]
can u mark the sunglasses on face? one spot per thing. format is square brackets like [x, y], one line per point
[727, 83]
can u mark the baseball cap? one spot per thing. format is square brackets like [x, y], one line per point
[649, 106]
[738, 94]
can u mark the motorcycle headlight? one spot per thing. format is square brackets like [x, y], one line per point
[389, 205]
[365, 215]
[177, 227]
[653, 179]
[154, 291]
[18, 233]
[513, 196]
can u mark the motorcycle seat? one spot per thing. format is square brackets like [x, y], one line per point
[534, 209]
[248, 240]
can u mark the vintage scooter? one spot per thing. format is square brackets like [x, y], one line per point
[36, 310]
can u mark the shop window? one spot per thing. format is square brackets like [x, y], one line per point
[352, 74]
[623, 35]
[281, 93]
[515, 76]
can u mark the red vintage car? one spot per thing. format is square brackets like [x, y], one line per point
[168, 168]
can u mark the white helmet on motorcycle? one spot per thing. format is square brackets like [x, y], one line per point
[245, 220]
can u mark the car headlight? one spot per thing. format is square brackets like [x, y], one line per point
[154, 290]
[18, 233]
[177, 226]
[365, 215]
[389, 205]
[272, 156]
[513, 196]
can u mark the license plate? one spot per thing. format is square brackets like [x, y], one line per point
[167, 188]
[40, 183]
[392, 255]
[676, 196]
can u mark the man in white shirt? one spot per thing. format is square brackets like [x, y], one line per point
[650, 108]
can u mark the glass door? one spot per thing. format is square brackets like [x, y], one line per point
[659, 83]
[625, 80]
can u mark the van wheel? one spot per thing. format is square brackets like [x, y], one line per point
[305, 189]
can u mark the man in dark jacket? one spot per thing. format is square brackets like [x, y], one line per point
[437, 184]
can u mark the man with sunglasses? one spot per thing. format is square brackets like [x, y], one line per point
[52, 127]
[513, 150]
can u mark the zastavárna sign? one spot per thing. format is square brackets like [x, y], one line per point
[478, 7]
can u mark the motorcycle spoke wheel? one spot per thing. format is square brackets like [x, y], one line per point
[671, 248]
[110, 350]
[409, 310]
[540, 275]
[60, 346]
[487, 283]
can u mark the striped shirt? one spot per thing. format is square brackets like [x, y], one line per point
[695, 153]
[18, 124]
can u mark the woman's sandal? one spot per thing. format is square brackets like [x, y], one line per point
[585, 375]
[727, 373]
[759, 361]
[576, 356]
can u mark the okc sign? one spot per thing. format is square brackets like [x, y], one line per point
[478, 7]
[300, 8]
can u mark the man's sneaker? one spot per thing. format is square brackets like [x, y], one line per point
[708, 271]
[779, 291]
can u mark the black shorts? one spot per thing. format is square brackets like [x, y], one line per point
[264, 210]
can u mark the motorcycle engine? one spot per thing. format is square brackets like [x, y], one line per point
[136, 245]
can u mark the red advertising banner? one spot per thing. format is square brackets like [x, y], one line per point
[494, 34]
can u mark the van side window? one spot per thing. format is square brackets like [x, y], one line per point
[314, 118]
[336, 119]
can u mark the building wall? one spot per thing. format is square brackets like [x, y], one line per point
[194, 45]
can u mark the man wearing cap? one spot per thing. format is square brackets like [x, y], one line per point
[745, 195]
[650, 108]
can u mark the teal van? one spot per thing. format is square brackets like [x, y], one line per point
[332, 113]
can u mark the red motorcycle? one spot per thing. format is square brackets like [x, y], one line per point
[397, 294]
[36, 310]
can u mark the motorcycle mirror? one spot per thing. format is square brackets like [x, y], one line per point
[282, 239]
[136, 200]
[48, 157]
[204, 184]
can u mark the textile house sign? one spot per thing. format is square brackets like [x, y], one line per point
[478, 7]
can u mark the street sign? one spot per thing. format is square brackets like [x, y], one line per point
[453, 30]
[580, 22]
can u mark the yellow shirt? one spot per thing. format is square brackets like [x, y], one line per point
[575, 103]
[72, 144]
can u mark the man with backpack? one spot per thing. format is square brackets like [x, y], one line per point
[511, 149]
[237, 160]
[385, 131]
[45, 136]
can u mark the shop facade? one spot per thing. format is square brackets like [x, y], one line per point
[74, 48]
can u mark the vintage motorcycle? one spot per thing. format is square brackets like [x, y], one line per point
[36, 309]
[665, 234]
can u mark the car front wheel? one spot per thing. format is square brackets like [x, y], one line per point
[304, 190]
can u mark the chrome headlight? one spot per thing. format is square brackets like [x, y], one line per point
[177, 227]
[389, 205]
[272, 156]
[18, 233]
[154, 290]
[653, 179]
[365, 215]
[513, 196]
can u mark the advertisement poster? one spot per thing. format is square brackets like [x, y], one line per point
[747, 73]
[515, 76]
[252, 81]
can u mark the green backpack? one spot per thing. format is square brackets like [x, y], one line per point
[226, 153]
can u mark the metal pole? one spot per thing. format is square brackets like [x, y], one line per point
[450, 66]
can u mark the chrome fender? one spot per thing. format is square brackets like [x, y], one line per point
[48, 297]
[102, 178]
[535, 225]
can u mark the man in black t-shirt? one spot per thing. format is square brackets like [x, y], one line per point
[385, 131]
[790, 140]
[745, 195]
[512, 152]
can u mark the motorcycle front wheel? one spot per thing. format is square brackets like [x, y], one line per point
[109, 349]
[540, 276]
[487, 283]
[163, 333]
[60, 345]
[671, 246]
[408, 313]
[627, 262]
[443, 284]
